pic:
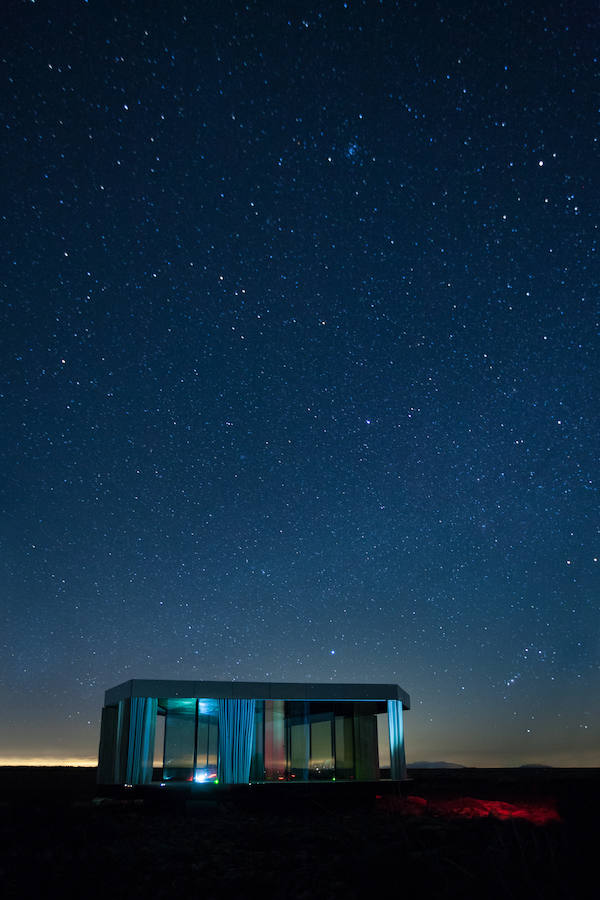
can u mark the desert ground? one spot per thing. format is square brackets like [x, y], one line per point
[460, 833]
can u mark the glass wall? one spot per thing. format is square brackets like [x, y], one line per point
[383, 745]
[207, 741]
[159, 740]
[191, 739]
[322, 741]
[180, 731]
[294, 740]
[273, 722]
[366, 753]
[322, 758]
[297, 739]
[344, 741]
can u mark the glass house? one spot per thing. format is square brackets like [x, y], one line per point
[242, 732]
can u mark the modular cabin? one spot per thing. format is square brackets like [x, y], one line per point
[245, 732]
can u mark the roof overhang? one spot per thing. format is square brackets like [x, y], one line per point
[255, 690]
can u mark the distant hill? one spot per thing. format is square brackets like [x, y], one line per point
[434, 765]
[535, 766]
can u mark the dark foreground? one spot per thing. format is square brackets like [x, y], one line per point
[458, 833]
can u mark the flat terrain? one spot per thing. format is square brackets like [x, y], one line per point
[447, 833]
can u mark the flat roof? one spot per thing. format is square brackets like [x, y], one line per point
[254, 690]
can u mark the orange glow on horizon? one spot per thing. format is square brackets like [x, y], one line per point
[88, 762]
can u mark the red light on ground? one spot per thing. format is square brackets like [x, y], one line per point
[474, 808]
[540, 813]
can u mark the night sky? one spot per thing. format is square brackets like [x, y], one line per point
[300, 362]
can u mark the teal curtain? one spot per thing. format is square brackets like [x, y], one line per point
[236, 740]
[142, 724]
[396, 728]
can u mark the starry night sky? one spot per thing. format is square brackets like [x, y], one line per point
[299, 370]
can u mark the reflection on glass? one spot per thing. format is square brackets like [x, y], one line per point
[274, 740]
[344, 746]
[159, 741]
[383, 744]
[299, 743]
[365, 742]
[294, 739]
[322, 764]
[207, 741]
[179, 740]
